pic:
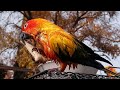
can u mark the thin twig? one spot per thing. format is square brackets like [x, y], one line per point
[29, 15]
[79, 18]
[56, 17]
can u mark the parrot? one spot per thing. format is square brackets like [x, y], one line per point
[61, 46]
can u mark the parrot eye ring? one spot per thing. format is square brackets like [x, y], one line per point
[25, 25]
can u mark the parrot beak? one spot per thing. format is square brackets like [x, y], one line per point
[24, 36]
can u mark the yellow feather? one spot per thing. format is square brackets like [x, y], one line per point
[56, 37]
[62, 40]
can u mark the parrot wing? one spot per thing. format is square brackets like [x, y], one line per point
[62, 45]
[69, 49]
[89, 50]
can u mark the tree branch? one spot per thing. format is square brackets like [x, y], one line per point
[14, 68]
[79, 18]
[105, 56]
[111, 39]
[27, 14]
[56, 17]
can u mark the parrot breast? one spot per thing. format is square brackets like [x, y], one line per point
[44, 41]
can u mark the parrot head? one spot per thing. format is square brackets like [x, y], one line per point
[35, 26]
[31, 27]
[30, 30]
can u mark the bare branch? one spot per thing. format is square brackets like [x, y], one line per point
[9, 48]
[13, 25]
[79, 18]
[112, 40]
[14, 68]
[26, 14]
[79, 27]
[56, 17]
[10, 15]
[29, 14]
[105, 56]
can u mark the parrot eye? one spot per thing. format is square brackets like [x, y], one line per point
[25, 25]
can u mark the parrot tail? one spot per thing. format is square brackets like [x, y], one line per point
[102, 59]
[111, 72]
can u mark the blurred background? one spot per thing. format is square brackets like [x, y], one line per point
[100, 30]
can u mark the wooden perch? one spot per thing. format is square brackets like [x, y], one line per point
[14, 68]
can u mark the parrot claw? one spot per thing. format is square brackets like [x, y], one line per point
[52, 70]
[38, 50]
[35, 49]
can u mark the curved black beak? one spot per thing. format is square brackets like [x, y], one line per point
[24, 36]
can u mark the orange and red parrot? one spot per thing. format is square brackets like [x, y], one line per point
[61, 46]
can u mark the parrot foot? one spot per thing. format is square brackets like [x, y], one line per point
[35, 49]
[38, 50]
[52, 70]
